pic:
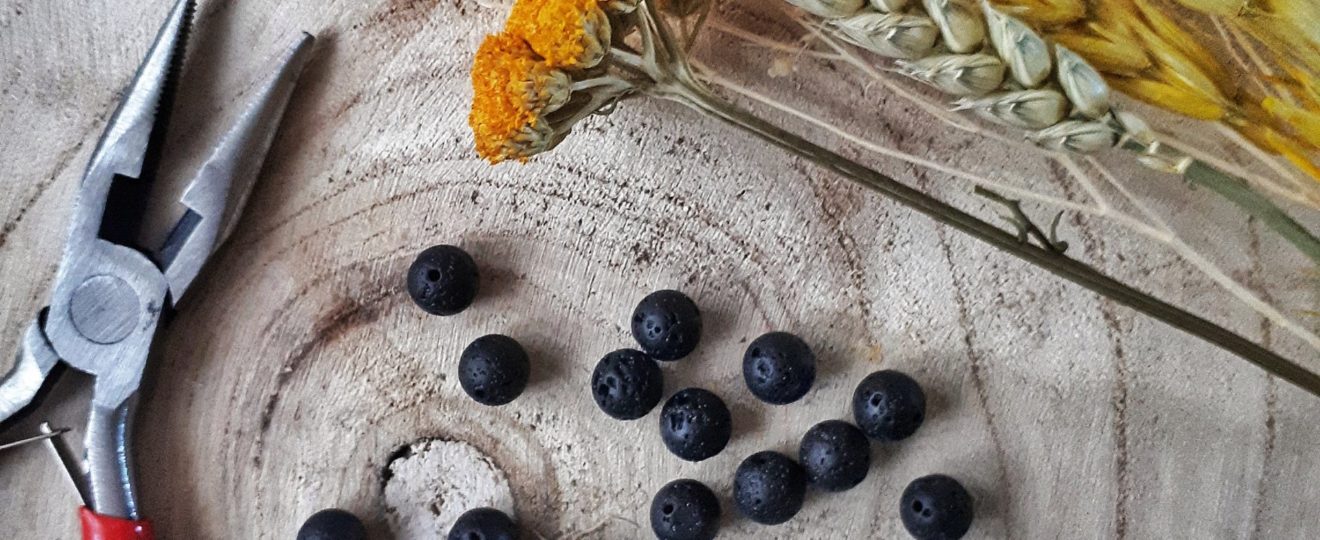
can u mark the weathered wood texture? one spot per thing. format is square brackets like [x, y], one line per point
[299, 366]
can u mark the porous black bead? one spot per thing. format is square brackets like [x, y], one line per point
[695, 424]
[493, 370]
[667, 325]
[889, 405]
[443, 280]
[484, 524]
[835, 455]
[627, 384]
[779, 368]
[332, 524]
[685, 510]
[769, 487]
[936, 507]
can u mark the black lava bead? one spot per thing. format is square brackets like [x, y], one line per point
[484, 524]
[332, 524]
[695, 424]
[627, 384]
[685, 510]
[494, 370]
[667, 325]
[888, 406]
[936, 507]
[779, 368]
[769, 487]
[443, 280]
[836, 455]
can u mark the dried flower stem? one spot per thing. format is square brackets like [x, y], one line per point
[671, 77]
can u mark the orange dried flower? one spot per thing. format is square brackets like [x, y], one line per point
[512, 89]
[567, 33]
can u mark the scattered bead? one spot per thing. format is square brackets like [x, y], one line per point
[769, 488]
[627, 384]
[779, 368]
[443, 280]
[936, 507]
[332, 524]
[685, 510]
[493, 370]
[667, 325]
[836, 455]
[695, 424]
[484, 524]
[889, 406]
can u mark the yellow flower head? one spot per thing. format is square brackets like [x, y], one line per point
[569, 34]
[512, 90]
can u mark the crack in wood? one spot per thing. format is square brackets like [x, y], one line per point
[976, 368]
[1118, 403]
[1271, 397]
[61, 164]
[834, 213]
[346, 315]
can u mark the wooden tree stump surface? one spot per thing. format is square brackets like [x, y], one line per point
[298, 366]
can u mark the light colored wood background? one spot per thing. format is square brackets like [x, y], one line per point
[299, 366]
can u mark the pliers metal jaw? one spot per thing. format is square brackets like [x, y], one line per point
[111, 292]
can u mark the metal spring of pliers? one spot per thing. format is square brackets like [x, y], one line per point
[110, 293]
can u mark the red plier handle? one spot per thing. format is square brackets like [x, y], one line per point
[100, 527]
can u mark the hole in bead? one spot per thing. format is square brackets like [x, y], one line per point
[875, 401]
[433, 275]
[917, 506]
[475, 536]
[667, 509]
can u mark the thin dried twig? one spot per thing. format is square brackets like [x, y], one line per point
[1205, 266]
[799, 49]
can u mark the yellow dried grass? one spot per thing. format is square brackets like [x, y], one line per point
[1148, 50]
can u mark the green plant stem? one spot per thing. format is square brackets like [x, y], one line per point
[1254, 204]
[1238, 192]
[678, 85]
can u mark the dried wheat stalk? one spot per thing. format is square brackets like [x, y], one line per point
[999, 68]
[1004, 71]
